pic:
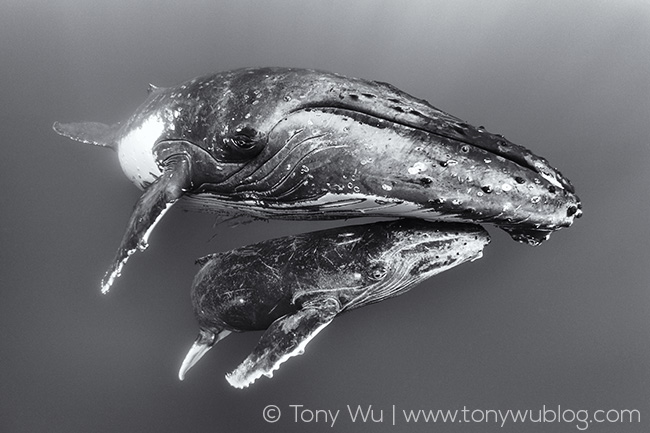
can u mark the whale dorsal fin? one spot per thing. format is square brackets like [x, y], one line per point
[98, 134]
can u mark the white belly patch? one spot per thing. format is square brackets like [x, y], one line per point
[135, 152]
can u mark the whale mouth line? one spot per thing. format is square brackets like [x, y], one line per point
[377, 120]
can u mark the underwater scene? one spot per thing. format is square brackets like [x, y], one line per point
[403, 216]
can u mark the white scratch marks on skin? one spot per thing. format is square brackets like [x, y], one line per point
[273, 270]
[350, 241]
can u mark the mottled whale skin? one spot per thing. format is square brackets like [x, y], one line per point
[294, 286]
[304, 144]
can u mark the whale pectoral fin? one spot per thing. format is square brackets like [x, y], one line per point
[286, 337]
[152, 205]
[94, 133]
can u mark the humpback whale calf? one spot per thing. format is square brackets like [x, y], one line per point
[292, 287]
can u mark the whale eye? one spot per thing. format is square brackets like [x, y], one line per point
[378, 272]
[243, 144]
[244, 138]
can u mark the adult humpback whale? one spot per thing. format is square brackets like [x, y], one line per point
[303, 144]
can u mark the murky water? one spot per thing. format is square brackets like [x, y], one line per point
[566, 323]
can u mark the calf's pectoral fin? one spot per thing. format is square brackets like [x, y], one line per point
[150, 208]
[204, 342]
[286, 337]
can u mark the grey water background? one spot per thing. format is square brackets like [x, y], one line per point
[566, 323]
